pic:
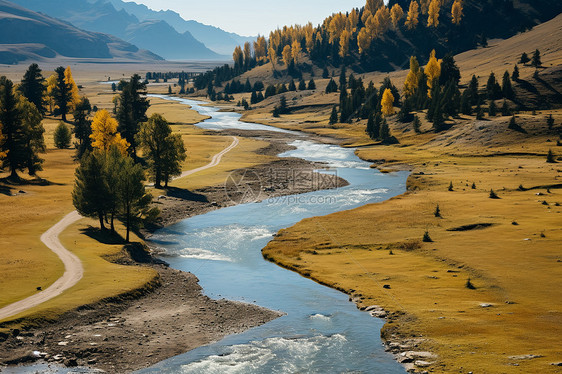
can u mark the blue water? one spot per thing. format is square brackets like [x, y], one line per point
[321, 332]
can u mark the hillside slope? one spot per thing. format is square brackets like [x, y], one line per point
[25, 34]
[101, 16]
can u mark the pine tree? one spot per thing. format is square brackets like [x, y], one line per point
[90, 195]
[515, 74]
[292, 86]
[164, 151]
[417, 125]
[536, 60]
[62, 93]
[473, 90]
[32, 87]
[466, 107]
[492, 109]
[384, 134]
[302, 85]
[449, 70]
[34, 142]
[550, 122]
[133, 200]
[493, 88]
[82, 128]
[524, 58]
[311, 84]
[333, 116]
[325, 73]
[506, 111]
[62, 136]
[332, 86]
[507, 89]
[550, 157]
[404, 115]
[104, 132]
[131, 111]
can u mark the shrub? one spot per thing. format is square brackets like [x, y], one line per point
[437, 212]
[62, 136]
[451, 186]
[550, 157]
[473, 186]
[469, 285]
[427, 238]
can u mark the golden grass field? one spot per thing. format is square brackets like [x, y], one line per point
[514, 263]
[28, 264]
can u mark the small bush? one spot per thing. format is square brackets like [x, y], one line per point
[473, 186]
[493, 195]
[521, 188]
[427, 238]
[451, 186]
[62, 136]
[513, 125]
[437, 212]
[411, 245]
[469, 285]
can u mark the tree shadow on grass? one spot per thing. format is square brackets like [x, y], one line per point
[103, 236]
[185, 194]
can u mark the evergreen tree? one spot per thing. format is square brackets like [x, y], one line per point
[253, 98]
[479, 112]
[515, 74]
[492, 109]
[12, 129]
[405, 115]
[32, 87]
[507, 89]
[131, 111]
[536, 60]
[473, 90]
[302, 85]
[493, 88]
[385, 135]
[292, 86]
[370, 130]
[82, 127]
[62, 136]
[134, 201]
[506, 111]
[163, 150]
[113, 87]
[524, 58]
[466, 107]
[332, 86]
[325, 73]
[62, 93]
[90, 195]
[417, 125]
[550, 157]
[550, 122]
[33, 139]
[449, 70]
[311, 84]
[333, 116]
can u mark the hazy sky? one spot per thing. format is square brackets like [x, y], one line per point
[247, 17]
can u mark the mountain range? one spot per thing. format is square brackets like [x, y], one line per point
[25, 34]
[162, 32]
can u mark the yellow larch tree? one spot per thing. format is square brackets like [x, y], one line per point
[104, 133]
[373, 5]
[51, 84]
[238, 56]
[296, 51]
[272, 55]
[344, 43]
[380, 22]
[336, 26]
[433, 13]
[260, 48]
[75, 99]
[287, 55]
[412, 19]
[352, 21]
[387, 103]
[412, 80]
[363, 40]
[247, 53]
[309, 36]
[424, 5]
[396, 14]
[456, 12]
[433, 71]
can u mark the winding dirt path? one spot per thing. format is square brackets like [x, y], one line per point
[73, 269]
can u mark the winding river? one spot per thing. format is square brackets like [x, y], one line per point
[322, 332]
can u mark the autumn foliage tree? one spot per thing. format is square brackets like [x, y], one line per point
[396, 14]
[104, 132]
[456, 12]
[433, 13]
[412, 79]
[432, 71]
[412, 19]
[387, 103]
